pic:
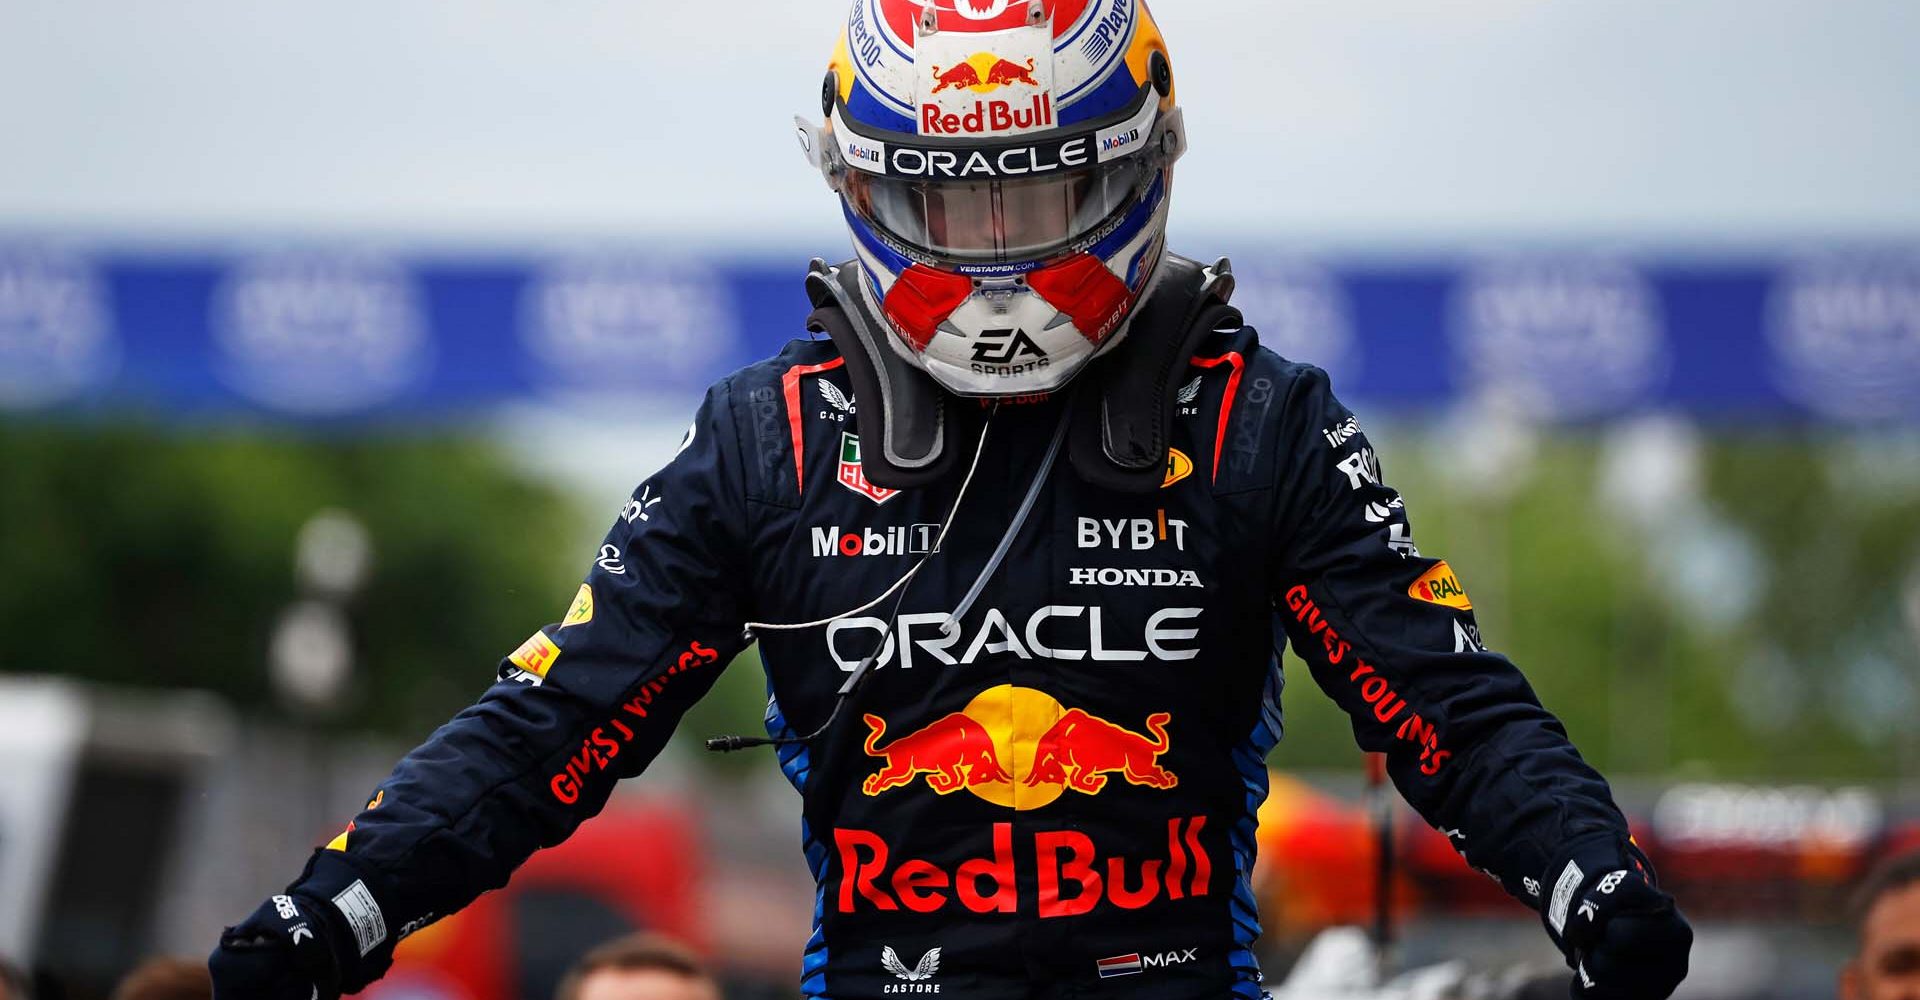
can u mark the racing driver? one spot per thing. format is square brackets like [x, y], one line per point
[1021, 532]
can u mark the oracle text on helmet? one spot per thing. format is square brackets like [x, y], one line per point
[907, 161]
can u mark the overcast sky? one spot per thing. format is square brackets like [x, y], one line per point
[1374, 123]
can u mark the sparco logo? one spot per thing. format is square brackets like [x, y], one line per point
[1055, 632]
[1245, 456]
[768, 425]
[917, 539]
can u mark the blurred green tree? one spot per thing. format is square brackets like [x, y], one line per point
[1812, 675]
[141, 557]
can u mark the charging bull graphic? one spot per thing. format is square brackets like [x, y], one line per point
[1081, 750]
[963, 75]
[982, 73]
[953, 753]
[1018, 747]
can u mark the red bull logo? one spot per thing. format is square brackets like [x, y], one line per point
[983, 73]
[988, 117]
[1081, 750]
[952, 753]
[1018, 747]
[1072, 874]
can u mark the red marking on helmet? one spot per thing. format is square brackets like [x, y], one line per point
[901, 16]
[1238, 363]
[1085, 290]
[922, 298]
[791, 383]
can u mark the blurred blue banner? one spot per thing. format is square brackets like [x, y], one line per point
[333, 335]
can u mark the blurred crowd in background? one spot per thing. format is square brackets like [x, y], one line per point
[332, 340]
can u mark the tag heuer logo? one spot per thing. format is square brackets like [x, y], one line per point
[582, 610]
[853, 477]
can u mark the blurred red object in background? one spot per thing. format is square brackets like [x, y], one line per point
[628, 869]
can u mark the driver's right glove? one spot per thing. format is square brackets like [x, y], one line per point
[278, 953]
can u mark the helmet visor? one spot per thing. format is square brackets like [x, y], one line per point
[999, 221]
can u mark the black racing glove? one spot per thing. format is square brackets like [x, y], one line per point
[1623, 938]
[278, 953]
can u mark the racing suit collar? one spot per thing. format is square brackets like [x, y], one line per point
[1123, 412]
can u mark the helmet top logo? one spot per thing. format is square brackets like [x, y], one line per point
[969, 90]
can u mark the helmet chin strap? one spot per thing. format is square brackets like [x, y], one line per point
[1122, 412]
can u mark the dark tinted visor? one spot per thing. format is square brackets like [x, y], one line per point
[1015, 219]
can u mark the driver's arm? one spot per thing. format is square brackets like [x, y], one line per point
[1390, 635]
[584, 702]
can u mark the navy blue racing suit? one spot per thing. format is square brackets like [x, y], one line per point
[1055, 799]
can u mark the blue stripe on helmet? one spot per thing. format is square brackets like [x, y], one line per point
[871, 242]
[1135, 222]
[874, 113]
[1114, 94]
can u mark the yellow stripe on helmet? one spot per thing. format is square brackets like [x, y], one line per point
[1146, 41]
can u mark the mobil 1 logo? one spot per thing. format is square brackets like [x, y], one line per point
[914, 539]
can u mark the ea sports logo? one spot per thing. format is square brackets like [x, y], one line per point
[1001, 347]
